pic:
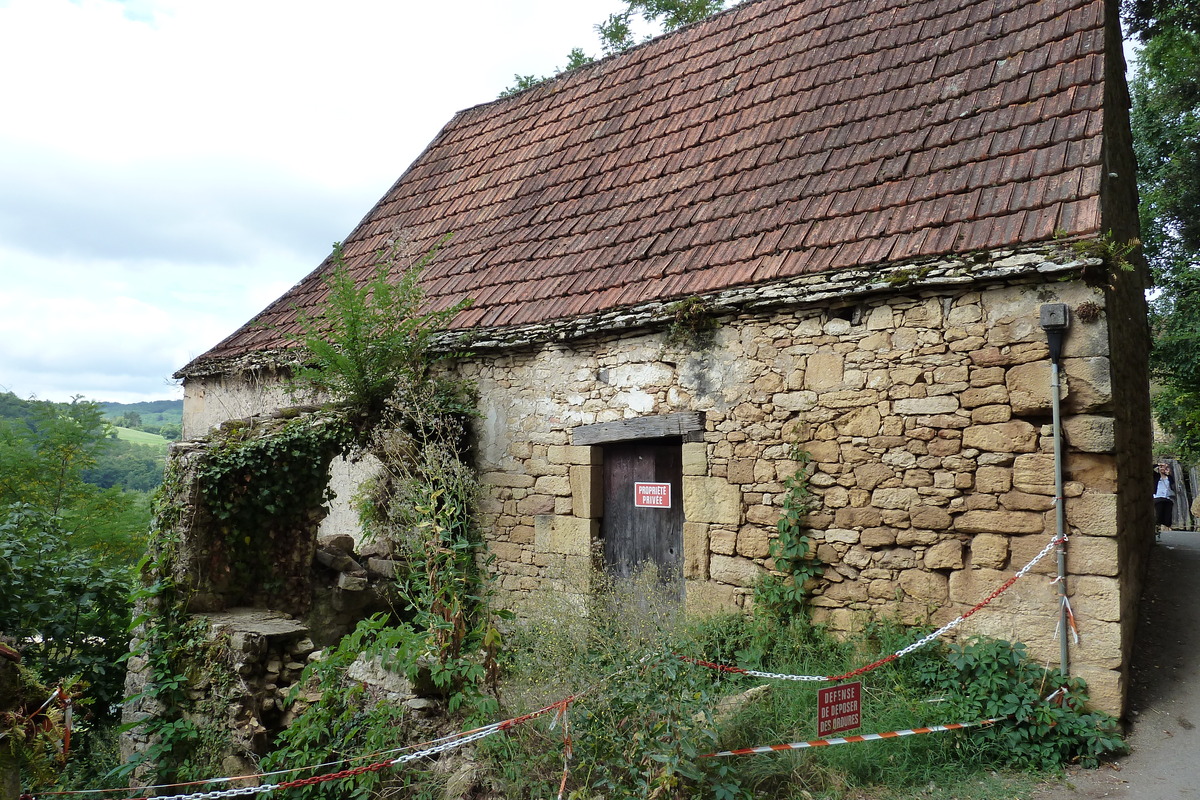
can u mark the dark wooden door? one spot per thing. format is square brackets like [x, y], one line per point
[636, 534]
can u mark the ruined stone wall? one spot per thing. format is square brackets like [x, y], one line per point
[928, 421]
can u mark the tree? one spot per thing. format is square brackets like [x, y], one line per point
[1166, 129]
[617, 32]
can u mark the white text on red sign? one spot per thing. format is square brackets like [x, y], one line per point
[651, 495]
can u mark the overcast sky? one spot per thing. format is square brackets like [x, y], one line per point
[169, 167]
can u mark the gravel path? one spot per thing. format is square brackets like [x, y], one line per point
[1164, 758]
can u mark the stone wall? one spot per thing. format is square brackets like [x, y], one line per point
[928, 421]
[923, 397]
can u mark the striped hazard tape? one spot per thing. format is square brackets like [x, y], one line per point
[865, 737]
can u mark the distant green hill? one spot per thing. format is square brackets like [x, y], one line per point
[141, 437]
[154, 412]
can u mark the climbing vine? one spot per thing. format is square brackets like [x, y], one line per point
[261, 487]
[784, 593]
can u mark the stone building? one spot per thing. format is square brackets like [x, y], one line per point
[799, 222]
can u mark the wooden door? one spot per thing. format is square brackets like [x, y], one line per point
[640, 525]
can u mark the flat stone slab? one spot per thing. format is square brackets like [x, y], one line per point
[256, 620]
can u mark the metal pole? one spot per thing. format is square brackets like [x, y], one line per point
[1060, 519]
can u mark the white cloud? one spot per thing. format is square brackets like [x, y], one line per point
[168, 167]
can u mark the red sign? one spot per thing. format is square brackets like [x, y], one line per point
[651, 495]
[839, 708]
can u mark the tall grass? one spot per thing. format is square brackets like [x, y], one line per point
[642, 719]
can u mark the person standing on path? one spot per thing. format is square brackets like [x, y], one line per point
[1164, 496]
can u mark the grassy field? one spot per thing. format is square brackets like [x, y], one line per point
[141, 437]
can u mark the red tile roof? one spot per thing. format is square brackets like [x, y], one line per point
[779, 138]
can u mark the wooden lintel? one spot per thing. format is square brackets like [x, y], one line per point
[684, 423]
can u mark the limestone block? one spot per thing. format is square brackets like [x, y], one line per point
[1023, 549]
[984, 396]
[1031, 595]
[916, 537]
[857, 557]
[535, 504]
[722, 541]
[735, 571]
[993, 480]
[930, 518]
[740, 470]
[1006, 437]
[1093, 513]
[870, 475]
[559, 486]
[943, 404]
[1023, 501]
[508, 479]
[879, 318]
[823, 451]
[574, 454]
[1096, 597]
[711, 500]
[704, 598]
[695, 458]
[928, 587]
[695, 550]
[895, 498]
[753, 542]
[1029, 388]
[1089, 383]
[861, 422]
[1034, 473]
[764, 515]
[1097, 471]
[1090, 433]
[857, 517]
[878, 537]
[824, 371]
[990, 415]
[983, 521]
[846, 592]
[987, 376]
[945, 555]
[564, 535]
[1099, 642]
[1106, 689]
[989, 550]
[837, 535]
[795, 401]
[587, 491]
[897, 558]
[1092, 555]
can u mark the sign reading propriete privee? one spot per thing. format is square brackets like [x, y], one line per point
[651, 495]
[839, 708]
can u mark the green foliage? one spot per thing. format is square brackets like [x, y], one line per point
[617, 32]
[261, 488]
[368, 339]
[1043, 720]
[783, 594]
[67, 610]
[643, 717]
[126, 464]
[575, 59]
[348, 719]
[692, 323]
[1166, 127]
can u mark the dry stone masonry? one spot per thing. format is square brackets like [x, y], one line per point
[927, 418]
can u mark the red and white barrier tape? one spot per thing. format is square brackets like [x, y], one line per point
[899, 653]
[865, 737]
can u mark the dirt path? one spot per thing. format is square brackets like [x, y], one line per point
[1164, 758]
